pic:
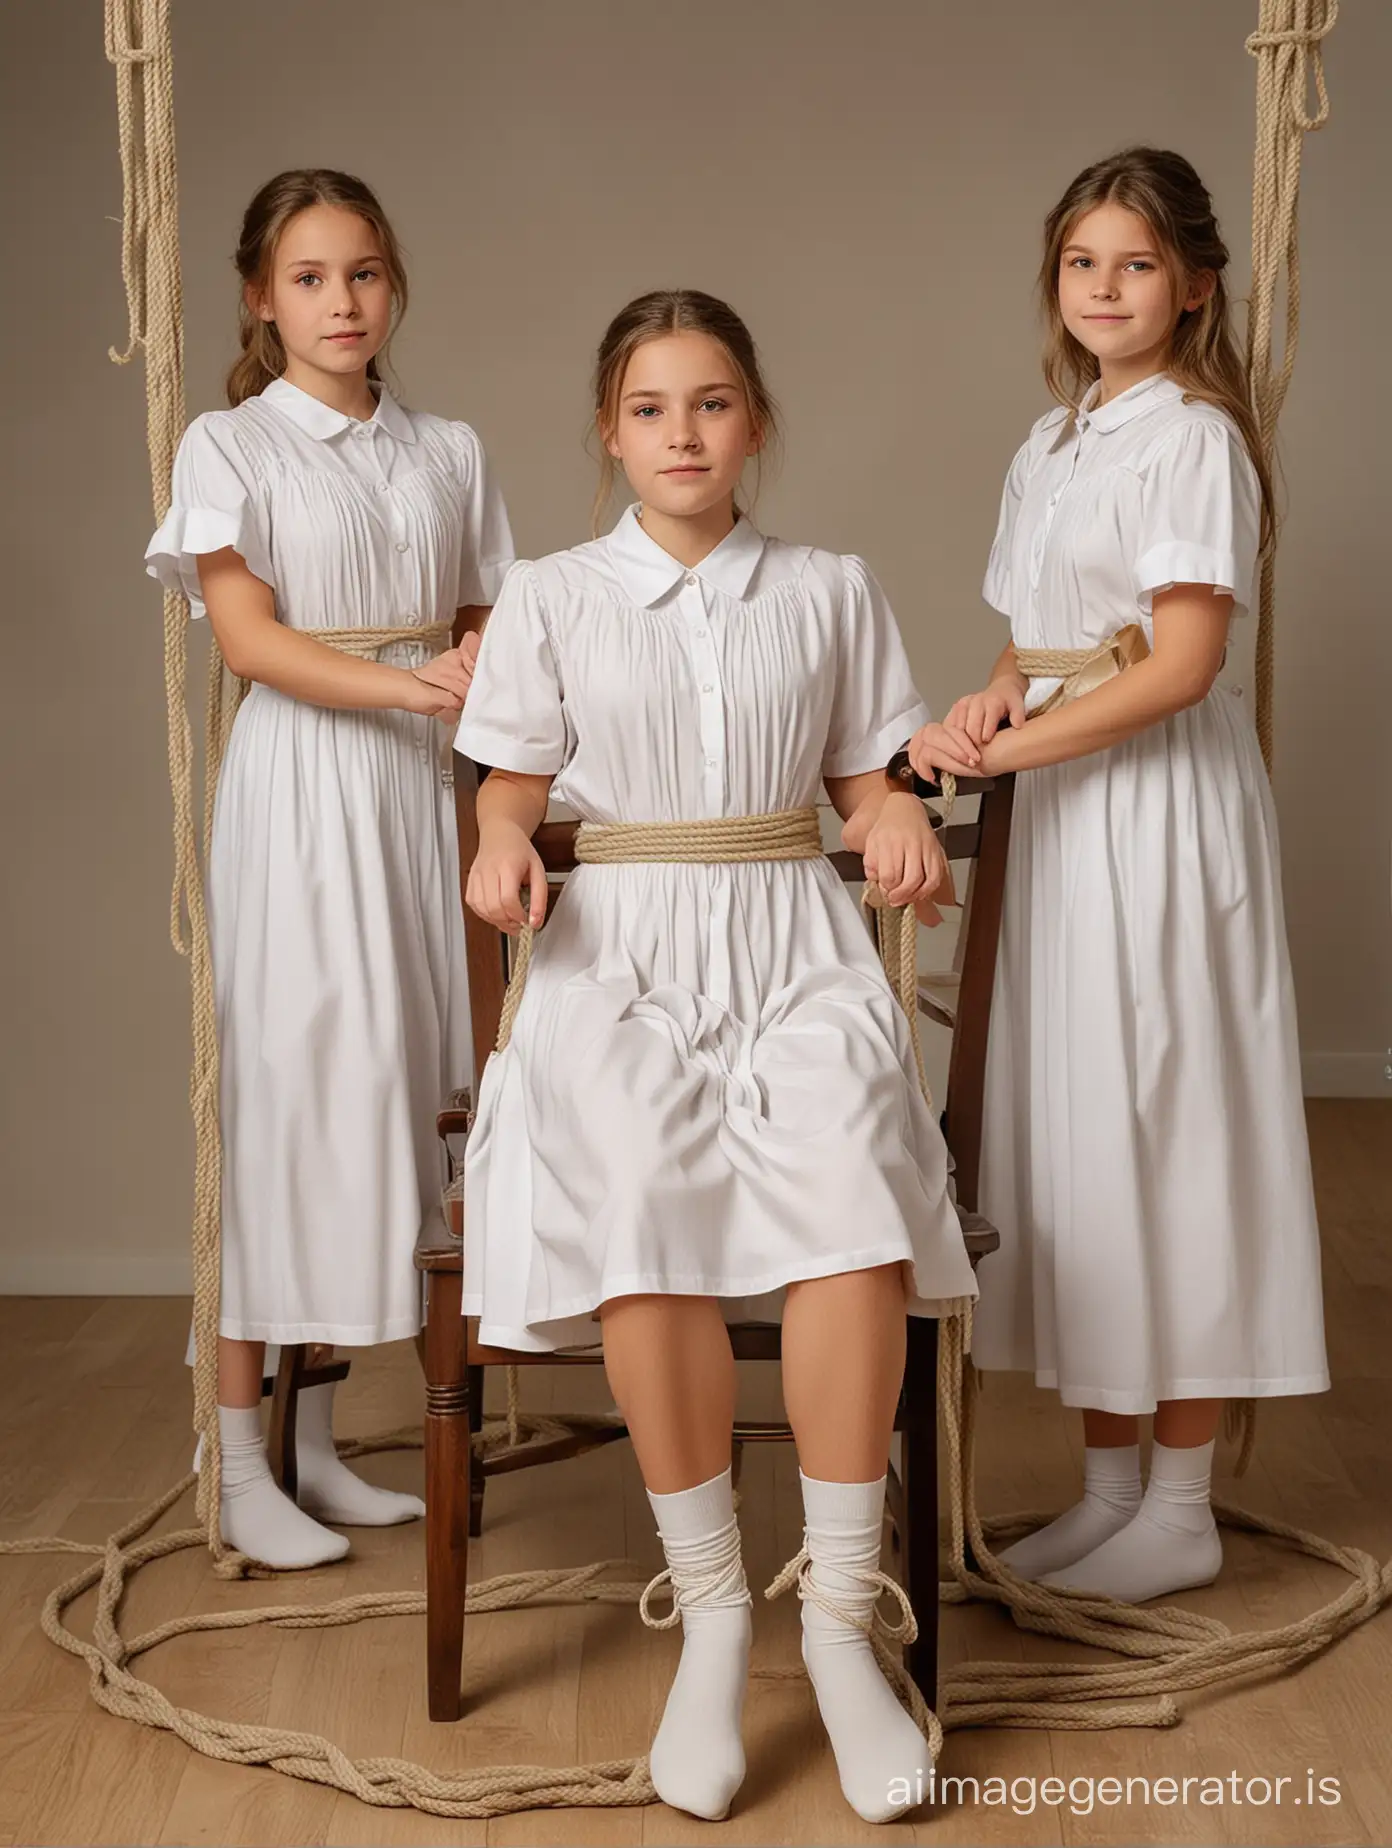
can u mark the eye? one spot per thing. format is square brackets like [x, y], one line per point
[1080, 262]
[308, 276]
[1139, 263]
[365, 275]
[713, 404]
[646, 411]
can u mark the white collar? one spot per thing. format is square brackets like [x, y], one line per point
[1158, 389]
[322, 421]
[648, 573]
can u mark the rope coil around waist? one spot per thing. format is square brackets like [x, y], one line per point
[788, 834]
[722, 840]
[366, 642]
[1082, 669]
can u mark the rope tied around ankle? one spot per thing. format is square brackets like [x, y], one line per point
[716, 1579]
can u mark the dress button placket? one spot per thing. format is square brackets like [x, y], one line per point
[710, 707]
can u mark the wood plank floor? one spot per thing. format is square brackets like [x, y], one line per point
[93, 1423]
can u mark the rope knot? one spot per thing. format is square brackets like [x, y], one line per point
[870, 1619]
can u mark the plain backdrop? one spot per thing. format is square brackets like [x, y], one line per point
[865, 182]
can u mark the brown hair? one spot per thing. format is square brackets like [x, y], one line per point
[263, 225]
[650, 317]
[1164, 190]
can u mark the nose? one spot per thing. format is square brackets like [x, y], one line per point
[345, 303]
[1103, 288]
[684, 434]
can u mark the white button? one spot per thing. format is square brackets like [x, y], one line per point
[708, 688]
[710, 763]
[364, 430]
[691, 577]
[381, 487]
[410, 616]
[402, 546]
[701, 635]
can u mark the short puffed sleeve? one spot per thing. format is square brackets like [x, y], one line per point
[1200, 514]
[513, 718]
[218, 500]
[487, 551]
[875, 707]
[1002, 570]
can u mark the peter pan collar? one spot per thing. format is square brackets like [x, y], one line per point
[322, 421]
[647, 573]
[1159, 389]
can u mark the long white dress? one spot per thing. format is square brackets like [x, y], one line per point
[709, 1087]
[333, 879]
[1145, 1153]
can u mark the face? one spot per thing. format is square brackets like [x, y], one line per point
[683, 429]
[328, 293]
[1118, 294]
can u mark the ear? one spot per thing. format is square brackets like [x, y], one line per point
[1200, 288]
[611, 447]
[757, 438]
[256, 303]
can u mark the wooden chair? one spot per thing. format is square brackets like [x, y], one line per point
[455, 1361]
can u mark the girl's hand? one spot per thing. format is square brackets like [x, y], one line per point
[936, 748]
[440, 686]
[980, 715]
[903, 857]
[505, 864]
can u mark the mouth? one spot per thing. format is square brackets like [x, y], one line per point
[345, 339]
[1107, 320]
[686, 472]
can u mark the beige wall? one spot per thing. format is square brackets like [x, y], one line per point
[865, 181]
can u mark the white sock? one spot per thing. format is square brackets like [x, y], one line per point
[697, 1758]
[880, 1753]
[1171, 1545]
[256, 1517]
[327, 1488]
[1111, 1498]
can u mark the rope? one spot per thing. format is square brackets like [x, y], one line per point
[1288, 46]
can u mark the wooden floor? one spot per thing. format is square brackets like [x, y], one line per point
[93, 1422]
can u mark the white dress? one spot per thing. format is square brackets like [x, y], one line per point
[333, 890]
[1145, 1152]
[709, 1088]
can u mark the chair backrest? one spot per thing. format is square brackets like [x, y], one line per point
[983, 842]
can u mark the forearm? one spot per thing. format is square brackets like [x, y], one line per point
[303, 669]
[1144, 695]
[507, 798]
[861, 801]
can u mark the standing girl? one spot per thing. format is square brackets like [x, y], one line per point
[314, 508]
[1145, 1150]
[709, 1092]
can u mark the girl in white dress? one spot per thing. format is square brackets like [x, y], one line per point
[709, 1092]
[319, 503]
[1145, 1151]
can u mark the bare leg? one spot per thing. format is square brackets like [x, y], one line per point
[843, 1363]
[1182, 1424]
[673, 1378]
[241, 1366]
[844, 1341]
[1110, 1430]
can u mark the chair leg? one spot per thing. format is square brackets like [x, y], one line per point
[448, 1467]
[285, 1396]
[919, 1538]
[477, 1479]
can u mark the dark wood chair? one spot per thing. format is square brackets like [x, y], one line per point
[455, 1361]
